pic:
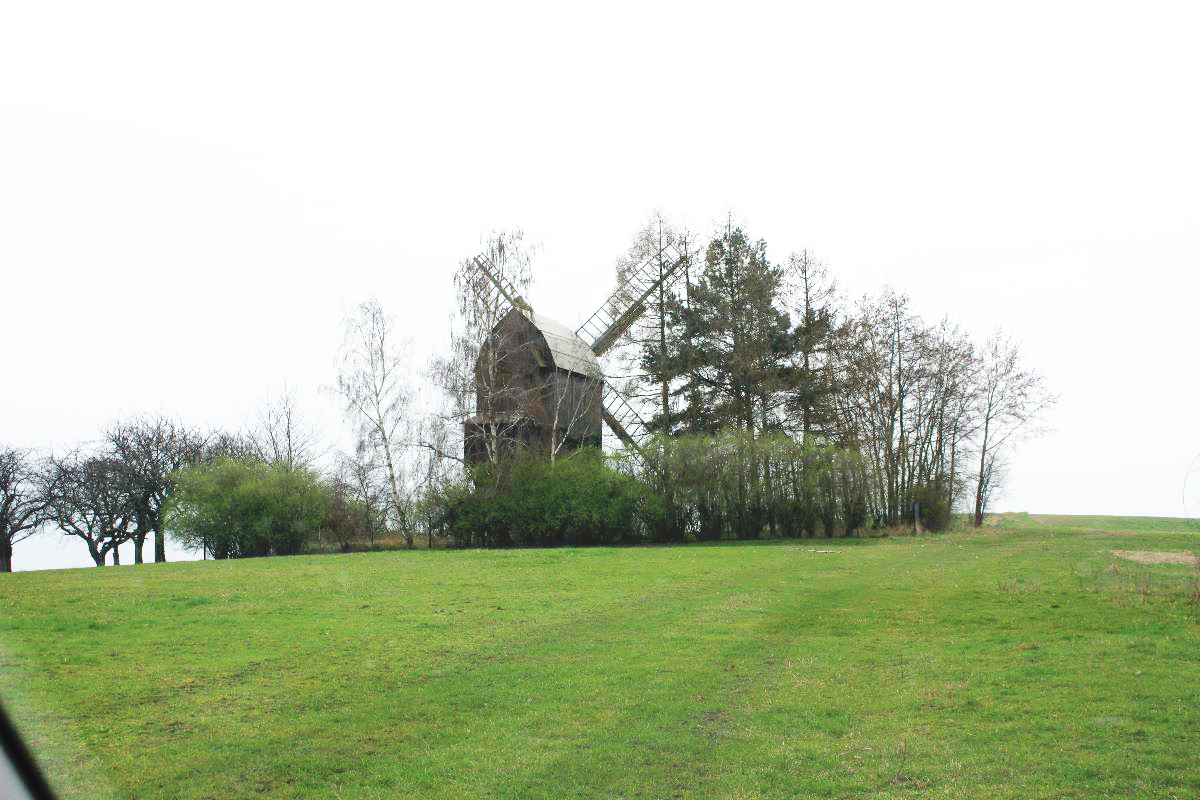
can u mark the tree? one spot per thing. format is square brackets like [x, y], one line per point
[218, 444]
[739, 340]
[287, 431]
[242, 509]
[814, 294]
[1010, 399]
[91, 498]
[23, 507]
[950, 425]
[650, 350]
[1190, 492]
[151, 450]
[573, 403]
[358, 477]
[739, 351]
[348, 519]
[474, 376]
[373, 371]
[904, 388]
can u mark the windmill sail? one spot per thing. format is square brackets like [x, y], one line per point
[612, 319]
[595, 336]
[622, 420]
[603, 328]
[494, 286]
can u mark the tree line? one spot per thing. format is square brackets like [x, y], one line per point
[269, 488]
[779, 407]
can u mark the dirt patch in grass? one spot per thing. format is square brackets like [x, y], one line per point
[1158, 557]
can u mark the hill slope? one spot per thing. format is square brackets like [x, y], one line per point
[1022, 660]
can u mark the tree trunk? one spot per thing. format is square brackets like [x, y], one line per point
[138, 541]
[116, 556]
[982, 467]
[6, 556]
[160, 547]
[950, 484]
[664, 387]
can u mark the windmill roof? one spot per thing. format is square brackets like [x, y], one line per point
[569, 351]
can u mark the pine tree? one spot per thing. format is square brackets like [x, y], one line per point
[814, 295]
[739, 343]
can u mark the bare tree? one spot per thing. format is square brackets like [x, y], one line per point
[360, 474]
[374, 364]
[989, 483]
[649, 351]
[219, 444]
[89, 497]
[476, 376]
[23, 507]
[574, 405]
[286, 431]
[151, 450]
[904, 396]
[1010, 400]
[435, 470]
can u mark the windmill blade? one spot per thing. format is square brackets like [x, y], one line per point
[623, 420]
[603, 328]
[495, 285]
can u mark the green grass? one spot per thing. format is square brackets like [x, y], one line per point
[1019, 661]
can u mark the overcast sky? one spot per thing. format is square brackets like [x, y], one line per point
[191, 195]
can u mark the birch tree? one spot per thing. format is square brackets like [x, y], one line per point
[573, 401]
[476, 382]
[374, 366]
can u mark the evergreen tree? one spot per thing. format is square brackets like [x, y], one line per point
[739, 343]
[814, 296]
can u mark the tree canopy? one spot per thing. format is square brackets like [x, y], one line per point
[239, 509]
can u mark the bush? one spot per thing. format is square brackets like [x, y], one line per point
[575, 501]
[733, 485]
[934, 506]
[239, 509]
[347, 519]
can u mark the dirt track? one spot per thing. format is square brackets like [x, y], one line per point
[1158, 556]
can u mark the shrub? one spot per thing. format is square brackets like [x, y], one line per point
[934, 505]
[734, 485]
[577, 500]
[347, 519]
[239, 509]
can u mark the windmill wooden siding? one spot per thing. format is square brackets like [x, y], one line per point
[530, 371]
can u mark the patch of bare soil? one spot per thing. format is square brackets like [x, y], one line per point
[1158, 557]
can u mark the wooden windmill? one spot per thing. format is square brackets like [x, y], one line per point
[540, 385]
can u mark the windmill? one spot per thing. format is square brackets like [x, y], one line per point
[553, 394]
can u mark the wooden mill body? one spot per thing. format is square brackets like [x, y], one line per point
[534, 378]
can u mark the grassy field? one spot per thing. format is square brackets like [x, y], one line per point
[1023, 660]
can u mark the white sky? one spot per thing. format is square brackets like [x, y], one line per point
[190, 196]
